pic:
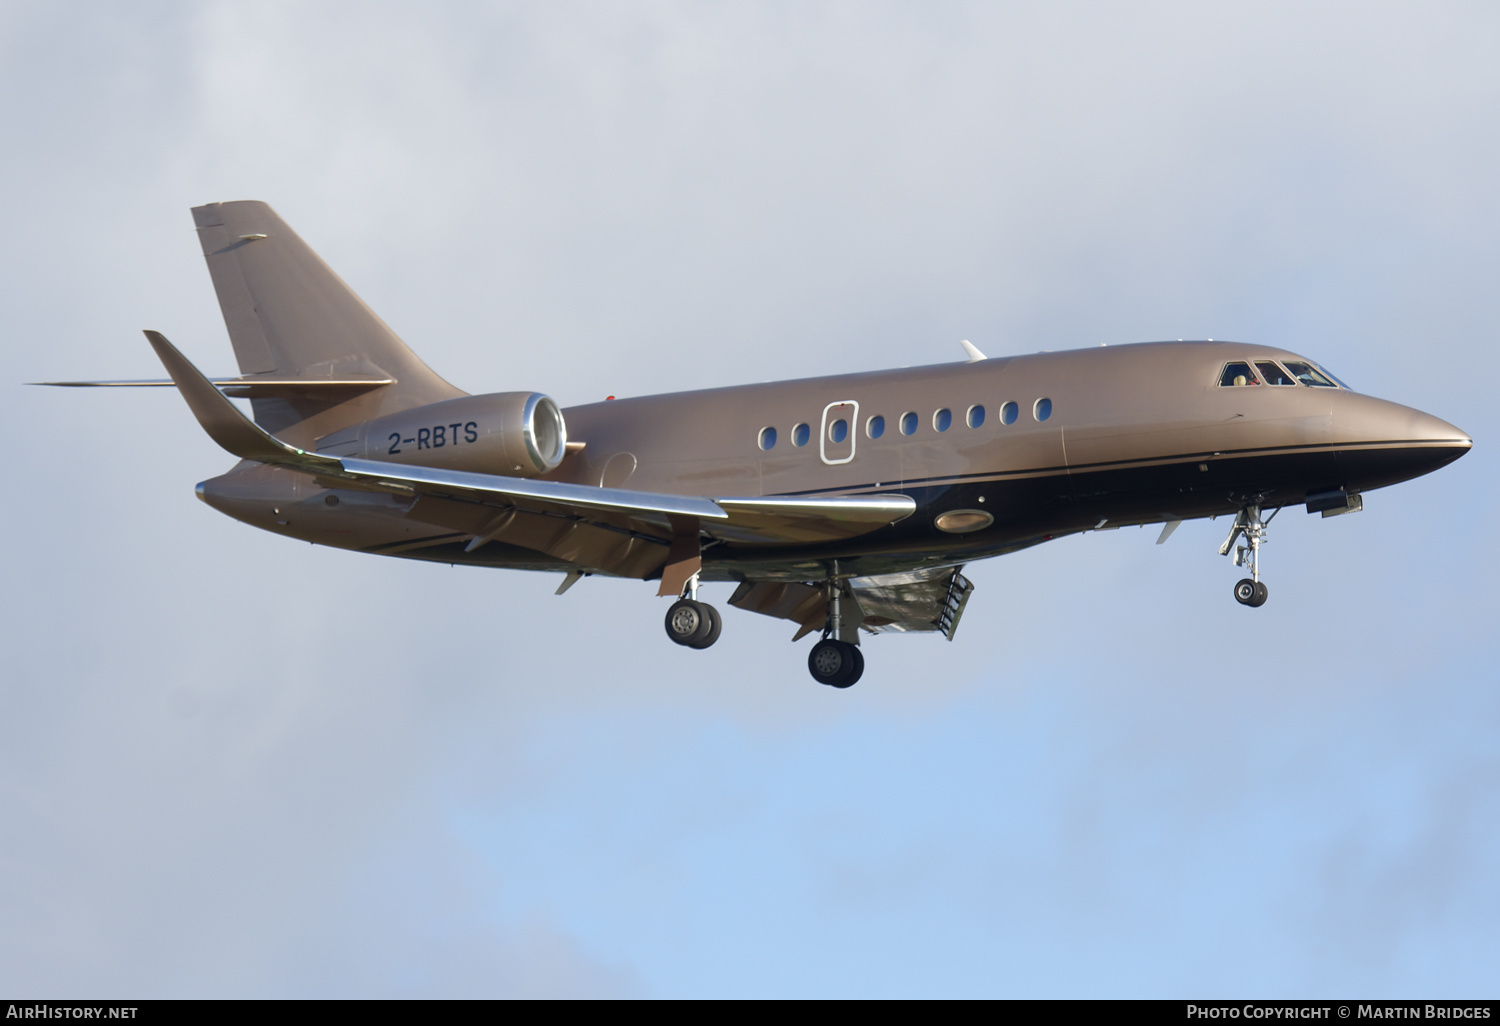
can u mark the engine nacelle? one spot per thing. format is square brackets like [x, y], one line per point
[518, 434]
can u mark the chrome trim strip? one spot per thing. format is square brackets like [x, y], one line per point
[590, 497]
[848, 508]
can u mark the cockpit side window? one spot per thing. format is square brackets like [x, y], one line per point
[1308, 374]
[1237, 373]
[1273, 373]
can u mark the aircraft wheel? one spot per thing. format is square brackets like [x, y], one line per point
[715, 623]
[689, 622]
[835, 663]
[1261, 594]
[859, 666]
[1246, 592]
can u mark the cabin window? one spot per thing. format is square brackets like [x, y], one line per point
[800, 434]
[838, 430]
[1308, 374]
[875, 426]
[1009, 412]
[1042, 409]
[1237, 374]
[768, 438]
[942, 420]
[908, 423]
[976, 416]
[1273, 374]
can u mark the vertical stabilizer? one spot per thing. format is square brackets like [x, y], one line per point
[290, 316]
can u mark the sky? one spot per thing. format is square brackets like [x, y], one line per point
[231, 766]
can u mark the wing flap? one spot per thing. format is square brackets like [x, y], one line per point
[918, 602]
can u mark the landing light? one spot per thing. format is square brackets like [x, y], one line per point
[963, 521]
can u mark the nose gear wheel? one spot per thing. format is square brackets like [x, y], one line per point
[1251, 593]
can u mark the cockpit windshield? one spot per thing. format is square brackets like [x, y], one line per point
[1273, 373]
[1332, 377]
[1284, 373]
[1309, 375]
[1237, 373]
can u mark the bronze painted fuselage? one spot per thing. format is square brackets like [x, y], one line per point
[1134, 434]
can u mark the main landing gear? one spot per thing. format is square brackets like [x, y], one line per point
[836, 663]
[1250, 591]
[690, 622]
[833, 661]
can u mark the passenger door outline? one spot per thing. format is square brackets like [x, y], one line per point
[823, 441]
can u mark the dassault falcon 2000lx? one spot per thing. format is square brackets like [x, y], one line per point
[845, 504]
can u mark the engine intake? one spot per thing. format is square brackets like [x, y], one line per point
[518, 434]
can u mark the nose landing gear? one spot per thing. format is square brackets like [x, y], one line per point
[1248, 524]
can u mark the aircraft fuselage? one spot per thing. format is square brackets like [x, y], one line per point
[1098, 437]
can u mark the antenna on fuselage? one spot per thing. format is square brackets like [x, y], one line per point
[974, 354]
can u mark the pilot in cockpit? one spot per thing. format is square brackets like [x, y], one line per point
[1238, 373]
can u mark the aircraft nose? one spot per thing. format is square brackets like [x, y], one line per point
[1366, 419]
[1382, 442]
[1434, 429]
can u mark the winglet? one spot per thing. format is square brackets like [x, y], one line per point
[974, 354]
[225, 424]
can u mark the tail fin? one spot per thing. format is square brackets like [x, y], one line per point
[290, 316]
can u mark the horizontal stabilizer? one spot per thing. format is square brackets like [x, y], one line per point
[244, 388]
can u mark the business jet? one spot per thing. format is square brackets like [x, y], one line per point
[847, 505]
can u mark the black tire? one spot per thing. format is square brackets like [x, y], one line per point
[835, 663]
[1245, 592]
[715, 623]
[687, 623]
[859, 668]
[1261, 594]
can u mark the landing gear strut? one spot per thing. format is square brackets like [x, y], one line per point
[1250, 591]
[690, 622]
[833, 661]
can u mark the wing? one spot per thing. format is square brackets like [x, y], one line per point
[748, 520]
